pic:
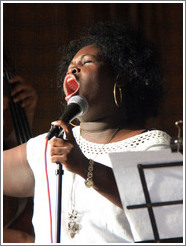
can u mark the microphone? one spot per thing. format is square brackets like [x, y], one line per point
[76, 106]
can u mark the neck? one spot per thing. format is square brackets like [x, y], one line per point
[97, 127]
[104, 132]
[98, 132]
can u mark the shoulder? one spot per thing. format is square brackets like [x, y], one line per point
[147, 140]
[153, 139]
[156, 134]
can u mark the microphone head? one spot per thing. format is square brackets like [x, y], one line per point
[81, 101]
[76, 106]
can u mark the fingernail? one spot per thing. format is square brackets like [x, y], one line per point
[53, 122]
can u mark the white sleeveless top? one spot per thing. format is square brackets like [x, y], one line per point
[100, 221]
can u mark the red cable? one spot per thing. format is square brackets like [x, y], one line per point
[48, 191]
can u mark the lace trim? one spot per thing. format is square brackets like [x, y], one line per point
[138, 142]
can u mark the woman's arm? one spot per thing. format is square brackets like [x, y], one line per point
[69, 154]
[18, 178]
[105, 183]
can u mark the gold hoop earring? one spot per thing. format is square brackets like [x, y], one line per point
[115, 96]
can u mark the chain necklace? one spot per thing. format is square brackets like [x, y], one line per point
[73, 224]
[73, 216]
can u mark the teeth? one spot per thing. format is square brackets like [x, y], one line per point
[68, 80]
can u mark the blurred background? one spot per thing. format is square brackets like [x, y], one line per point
[34, 32]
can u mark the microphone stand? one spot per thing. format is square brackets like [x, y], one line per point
[76, 106]
[60, 172]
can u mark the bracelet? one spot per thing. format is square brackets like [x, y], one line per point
[89, 182]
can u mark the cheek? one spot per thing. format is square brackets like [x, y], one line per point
[90, 84]
[106, 85]
[99, 94]
[97, 83]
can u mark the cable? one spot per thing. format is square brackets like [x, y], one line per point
[48, 191]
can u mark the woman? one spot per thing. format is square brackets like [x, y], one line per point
[115, 70]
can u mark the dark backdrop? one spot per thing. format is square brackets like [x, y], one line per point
[33, 33]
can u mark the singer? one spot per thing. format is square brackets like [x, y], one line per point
[115, 69]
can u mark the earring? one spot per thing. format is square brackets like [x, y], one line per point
[115, 96]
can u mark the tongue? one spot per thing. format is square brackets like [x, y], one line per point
[72, 87]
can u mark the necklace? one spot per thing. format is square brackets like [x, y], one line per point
[73, 224]
[73, 216]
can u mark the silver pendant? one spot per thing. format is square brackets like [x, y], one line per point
[73, 225]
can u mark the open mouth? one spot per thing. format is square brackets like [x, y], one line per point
[71, 86]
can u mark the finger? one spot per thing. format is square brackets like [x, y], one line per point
[19, 88]
[24, 93]
[58, 159]
[28, 102]
[67, 128]
[25, 96]
[21, 97]
[56, 142]
[58, 151]
[17, 78]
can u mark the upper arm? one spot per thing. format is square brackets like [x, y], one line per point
[18, 178]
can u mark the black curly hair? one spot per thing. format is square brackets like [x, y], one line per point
[133, 58]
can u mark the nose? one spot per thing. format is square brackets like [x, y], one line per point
[73, 70]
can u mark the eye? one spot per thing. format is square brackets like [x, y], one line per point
[87, 61]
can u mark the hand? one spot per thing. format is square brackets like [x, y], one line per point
[67, 152]
[24, 93]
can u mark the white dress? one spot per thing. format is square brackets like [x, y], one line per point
[100, 221]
